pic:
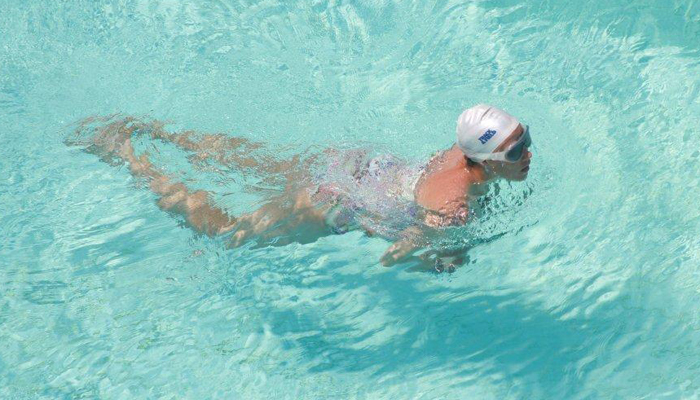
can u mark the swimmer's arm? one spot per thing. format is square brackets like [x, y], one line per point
[402, 248]
[451, 215]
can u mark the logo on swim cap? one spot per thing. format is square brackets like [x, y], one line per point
[486, 136]
[482, 128]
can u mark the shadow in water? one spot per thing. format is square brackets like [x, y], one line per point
[456, 335]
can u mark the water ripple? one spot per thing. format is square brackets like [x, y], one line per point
[581, 283]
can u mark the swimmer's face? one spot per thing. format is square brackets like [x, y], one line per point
[518, 170]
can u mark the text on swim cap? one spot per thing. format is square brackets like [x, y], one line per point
[486, 136]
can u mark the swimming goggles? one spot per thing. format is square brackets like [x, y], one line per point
[516, 151]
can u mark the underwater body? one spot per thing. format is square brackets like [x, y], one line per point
[581, 282]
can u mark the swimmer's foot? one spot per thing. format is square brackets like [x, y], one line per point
[110, 142]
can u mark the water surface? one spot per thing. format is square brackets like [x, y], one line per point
[590, 288]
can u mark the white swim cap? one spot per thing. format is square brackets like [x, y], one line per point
[481, 129]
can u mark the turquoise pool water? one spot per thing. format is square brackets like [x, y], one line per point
[589, 286]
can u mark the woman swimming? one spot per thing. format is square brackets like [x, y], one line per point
[491, 144]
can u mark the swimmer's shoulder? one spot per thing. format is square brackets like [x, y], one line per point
[446, 182]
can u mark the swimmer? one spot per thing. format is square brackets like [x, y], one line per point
[491, 144]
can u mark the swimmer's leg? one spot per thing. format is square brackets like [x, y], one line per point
[226, 150]
[292, 217]
[112, 143]
[289, 218]
[286, 219]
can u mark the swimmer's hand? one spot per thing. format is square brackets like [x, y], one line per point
[398, 251]
[402, 248]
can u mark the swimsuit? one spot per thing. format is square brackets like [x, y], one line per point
[365, 190]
